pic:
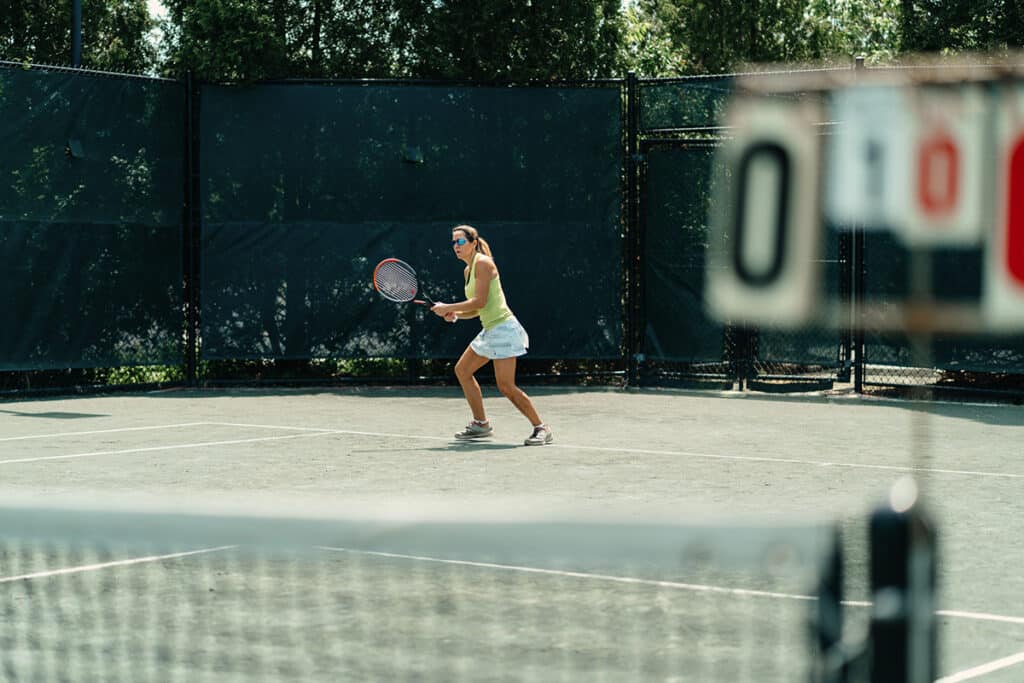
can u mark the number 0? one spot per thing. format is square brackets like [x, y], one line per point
[779, 158]
[938, 168]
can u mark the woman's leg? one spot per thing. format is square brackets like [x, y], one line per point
[505, 374]
[465, 369]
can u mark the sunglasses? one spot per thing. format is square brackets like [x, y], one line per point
[462, 241]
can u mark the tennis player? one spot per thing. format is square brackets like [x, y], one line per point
[502, 340]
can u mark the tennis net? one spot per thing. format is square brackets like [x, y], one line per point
[88, 595]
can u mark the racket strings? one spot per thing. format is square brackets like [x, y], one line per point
[396, 281]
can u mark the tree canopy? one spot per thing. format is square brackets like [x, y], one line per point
[955, 25]
[115, 33]
[246, 40]
[479, 39]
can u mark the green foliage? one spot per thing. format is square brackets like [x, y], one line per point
[227, 39]
[499, 39]
[244, 40]
[715, 37]
[248, 40]
[115, 34]
[646, 46]
[848, 28]
[478, 39]
[682, 37]
[962, 25]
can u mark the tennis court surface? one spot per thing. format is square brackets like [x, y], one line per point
[343, 534]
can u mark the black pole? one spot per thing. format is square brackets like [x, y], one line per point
[191, 231]
[633, 244]
[846, 265]
[859, 275]
[76, 33]
[904, 562]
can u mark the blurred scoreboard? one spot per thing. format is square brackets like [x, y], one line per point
[933, 156]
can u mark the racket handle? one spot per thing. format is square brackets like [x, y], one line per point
[421, 302]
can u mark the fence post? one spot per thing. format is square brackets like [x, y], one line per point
[191, 231]
[846, 266]
[633, 239]
[859, 273]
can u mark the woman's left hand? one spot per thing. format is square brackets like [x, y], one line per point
[441, 310]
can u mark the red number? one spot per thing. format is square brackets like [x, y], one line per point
[1015, 214]
[938, 182]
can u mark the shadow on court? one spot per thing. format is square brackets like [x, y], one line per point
[55, 415]
[377, 391]
[454, 447]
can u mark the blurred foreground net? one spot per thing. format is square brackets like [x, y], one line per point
[88, 595]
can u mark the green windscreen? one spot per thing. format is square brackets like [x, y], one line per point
[91, 206]
[306, 187]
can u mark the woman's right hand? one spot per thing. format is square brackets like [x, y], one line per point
[451, 317]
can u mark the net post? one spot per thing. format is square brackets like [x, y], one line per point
[903, 638]
[832, 661]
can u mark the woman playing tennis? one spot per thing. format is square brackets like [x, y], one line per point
[501, 341]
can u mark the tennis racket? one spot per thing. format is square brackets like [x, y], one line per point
[396, 281]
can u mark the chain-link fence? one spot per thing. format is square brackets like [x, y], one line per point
[679, 126]
[159, 232]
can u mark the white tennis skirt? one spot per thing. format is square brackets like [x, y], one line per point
[504, 340]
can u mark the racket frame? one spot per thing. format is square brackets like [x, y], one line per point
[426, 301]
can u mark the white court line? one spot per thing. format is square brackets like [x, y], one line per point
[106, 565]
[100, 431]
[585, 575]
[794, 461]
[956, 614]
[984, 669]
[553, 572]
[335, 431]
[661, 584]
[647, 451]
[979, 616]
[173, 447]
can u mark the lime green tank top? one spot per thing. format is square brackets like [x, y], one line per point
[495, 311]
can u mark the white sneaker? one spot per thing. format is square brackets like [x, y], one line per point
[475, 430]
[541, 435]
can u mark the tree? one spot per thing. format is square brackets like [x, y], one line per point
[848, 28]
[959, 25]
[227, 39]
[646, 47]
[465, 39]
[499, 39]
[680, 37]
[115, 34]
[716, 37]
